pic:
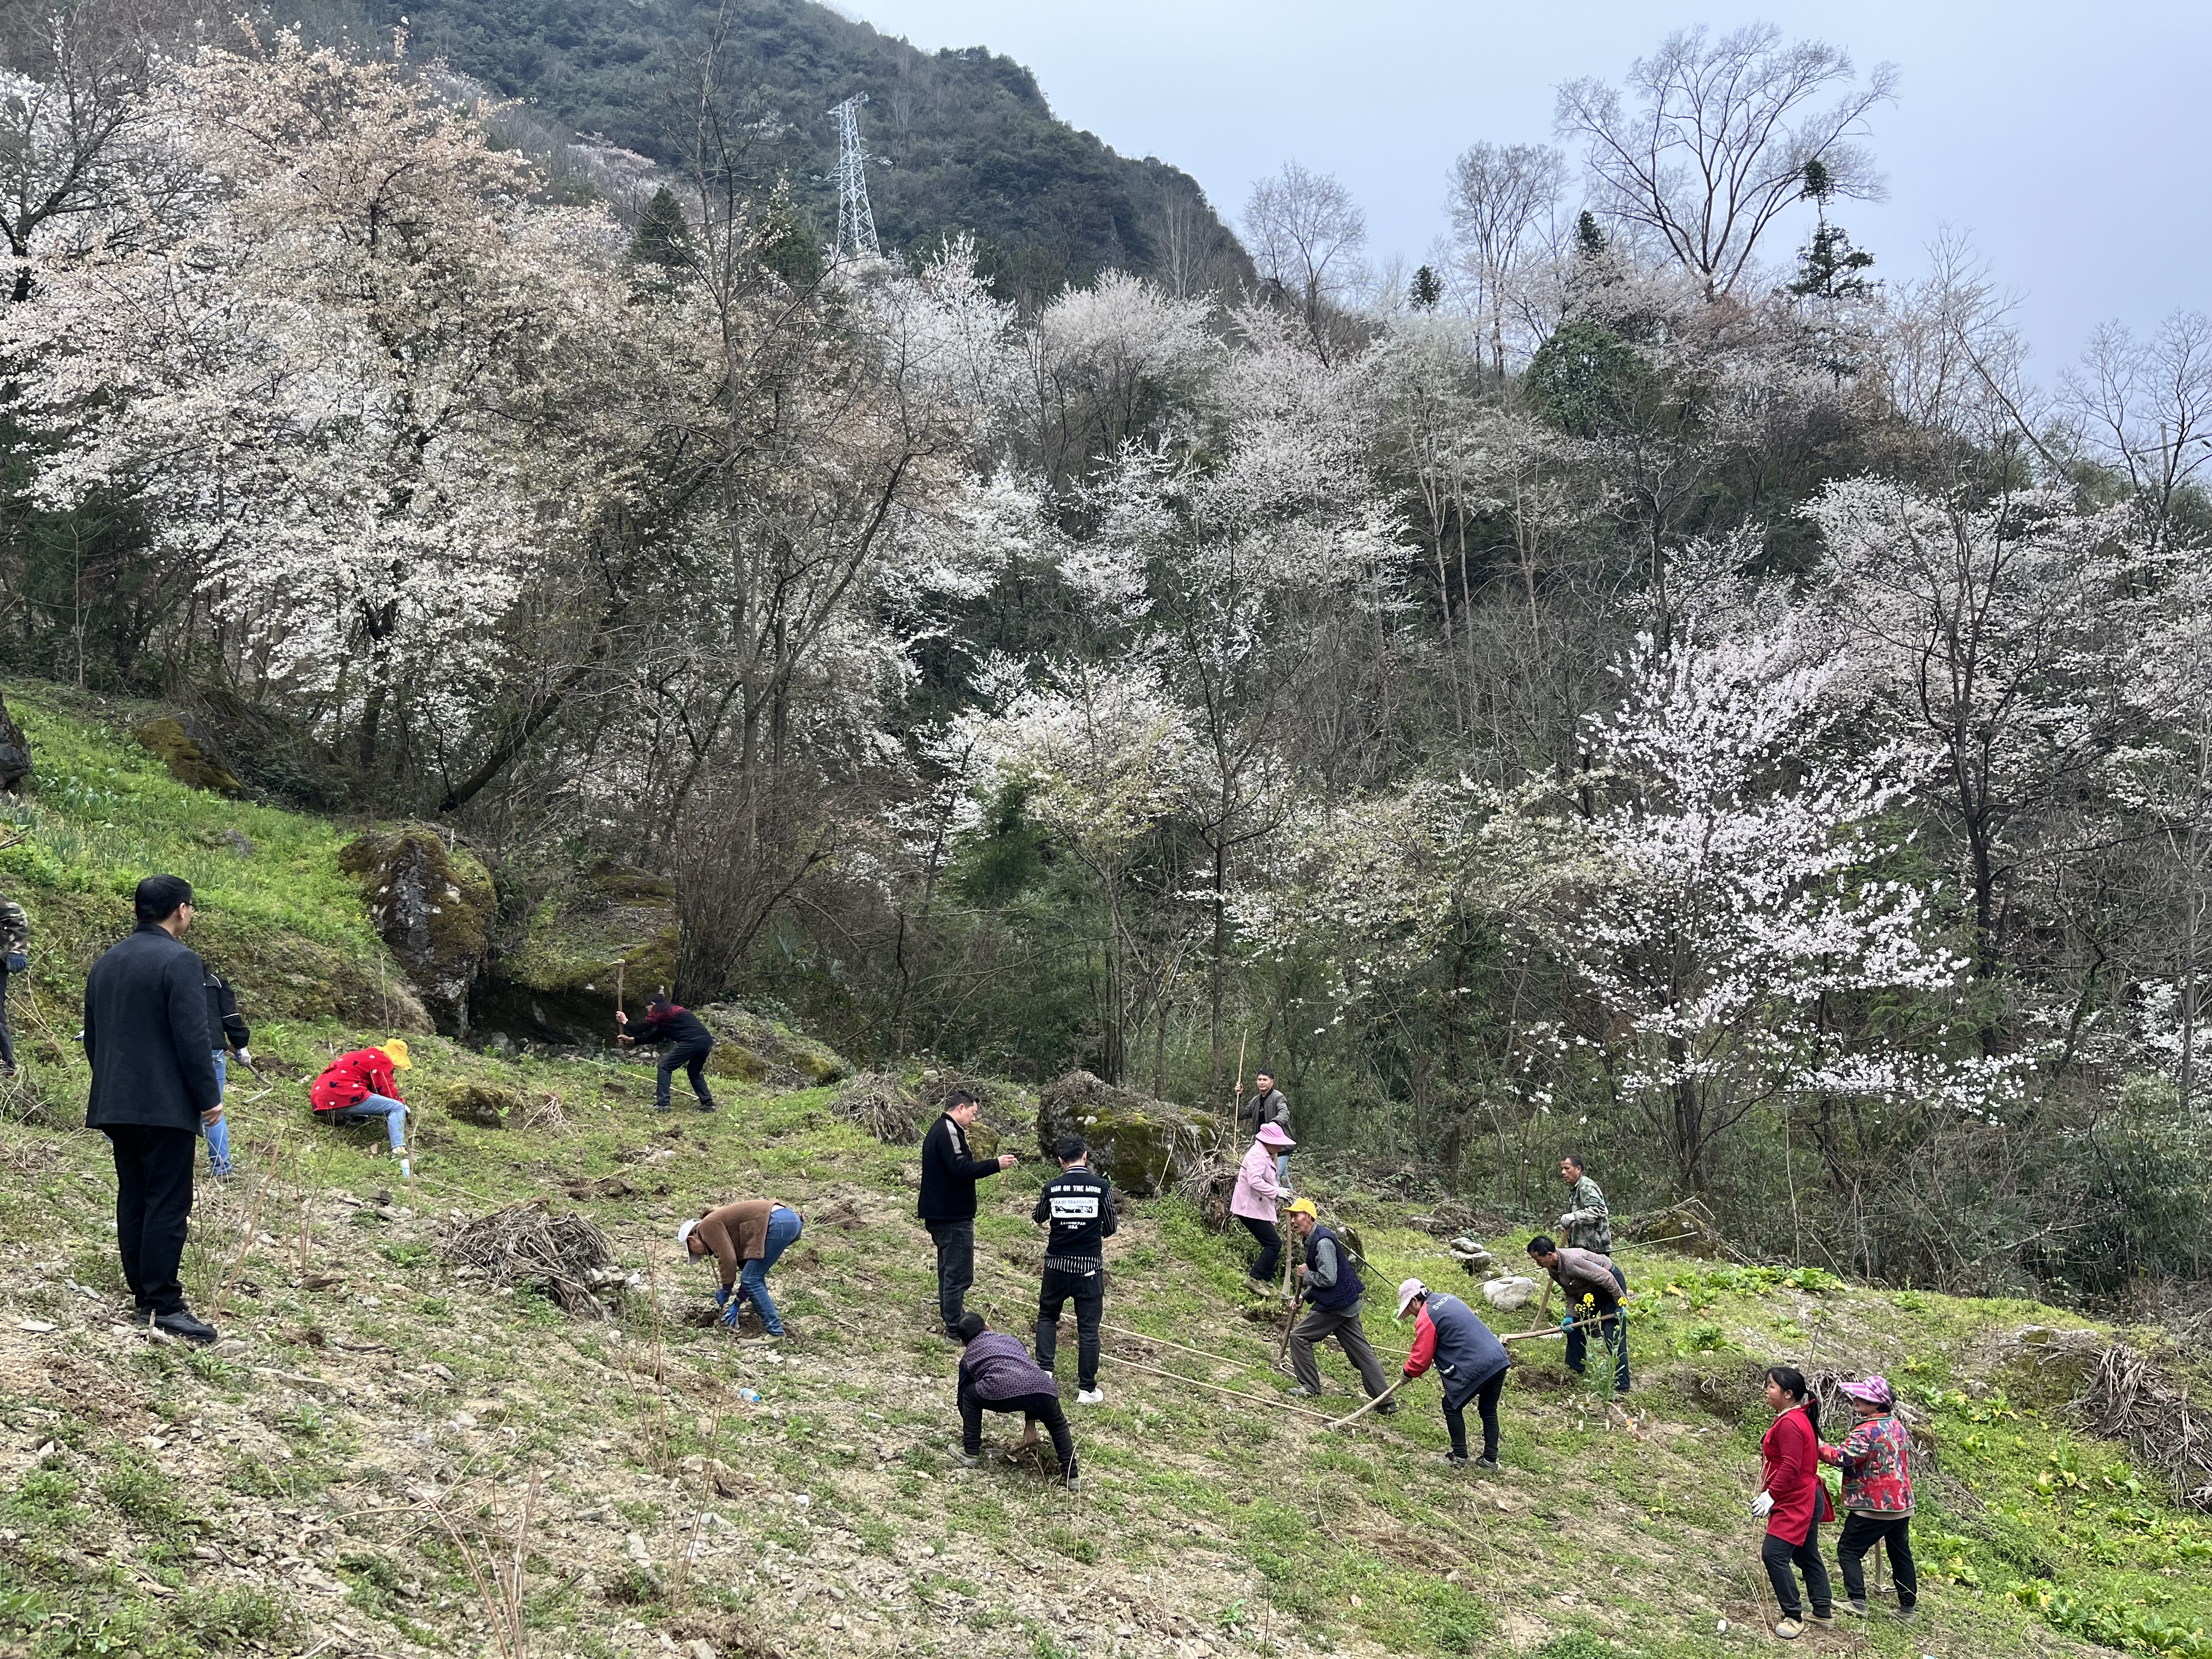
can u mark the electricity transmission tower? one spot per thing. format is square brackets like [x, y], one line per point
[856, 221]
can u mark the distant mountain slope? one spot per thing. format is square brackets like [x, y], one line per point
[966, 137]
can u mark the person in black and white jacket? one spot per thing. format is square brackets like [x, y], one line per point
[947, 1203]
[1078, 1205]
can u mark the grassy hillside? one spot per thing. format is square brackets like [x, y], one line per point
[380, 1428]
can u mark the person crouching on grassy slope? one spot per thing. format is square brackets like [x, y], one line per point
[745, 1238]
[688, 1042]
[364, 1085]
[998, 1375]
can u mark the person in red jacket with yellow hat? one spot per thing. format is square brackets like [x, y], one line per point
[358, 1086]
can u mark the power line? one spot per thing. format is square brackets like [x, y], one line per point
[856, 221]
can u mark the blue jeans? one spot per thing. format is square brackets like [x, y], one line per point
[784, 1226]
[1283, 1170]
[218, 1133]
[393, 1112]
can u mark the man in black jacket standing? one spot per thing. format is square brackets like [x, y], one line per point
[1077, 1203]
[153, 1089]
[947, 1205]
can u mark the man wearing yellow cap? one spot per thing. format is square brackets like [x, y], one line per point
[1328, 1283]
[361, 1085]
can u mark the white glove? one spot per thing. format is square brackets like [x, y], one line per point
[1761, 1504]
[1566, 1220]
[245, 1056]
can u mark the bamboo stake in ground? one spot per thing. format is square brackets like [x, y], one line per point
[1236, 1104]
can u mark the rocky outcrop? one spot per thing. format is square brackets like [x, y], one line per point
[433, 903]
[187, 758]
[1141, 1145]
[754, 1048]
[15, 752]
[608, 926]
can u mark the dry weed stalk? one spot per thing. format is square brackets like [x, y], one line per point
[253, 1224]
[500, 1592]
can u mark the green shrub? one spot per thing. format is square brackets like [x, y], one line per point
[227, 1619]
[142, 1493]
[1578, 1644]
[44, 1496]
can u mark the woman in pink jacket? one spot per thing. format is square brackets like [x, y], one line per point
[1258, 1191]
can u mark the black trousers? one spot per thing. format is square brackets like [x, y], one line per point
[1485, 1400]
[956, 1269]
[1864, 1532]
[7, 1037]
[1271, 1248]
[1035, 1407]
[153, 1203]
[1088, 1292]
[1780, 1555]
[692, 1057]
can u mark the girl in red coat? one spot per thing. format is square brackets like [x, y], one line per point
[364, 1085]
[1794, 1501]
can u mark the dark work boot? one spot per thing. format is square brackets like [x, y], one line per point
[183, 1324]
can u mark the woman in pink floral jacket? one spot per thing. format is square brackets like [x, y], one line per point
[1877, 1460]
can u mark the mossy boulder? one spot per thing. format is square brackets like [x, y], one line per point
[607, 925]
[753, 1047]
[487, 1105]
[187, 759]
[1141, 1145]
[433, 904]
[15, 752]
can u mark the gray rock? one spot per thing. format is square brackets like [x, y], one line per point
[1506, 1295]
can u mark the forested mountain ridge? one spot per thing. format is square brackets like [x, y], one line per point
[965, 139]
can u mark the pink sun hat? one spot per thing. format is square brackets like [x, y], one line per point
[1874, 1391]
[1273, 1135]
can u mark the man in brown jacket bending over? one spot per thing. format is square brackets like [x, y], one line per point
[745, 1238]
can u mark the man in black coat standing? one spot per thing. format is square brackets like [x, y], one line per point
[153, 1089]
[947, 1205]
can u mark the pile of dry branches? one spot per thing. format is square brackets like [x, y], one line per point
[1208, 1178]
[566, 1257]
[880, 1104]
[2129, 1396]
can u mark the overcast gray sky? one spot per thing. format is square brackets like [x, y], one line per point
[2068, 139]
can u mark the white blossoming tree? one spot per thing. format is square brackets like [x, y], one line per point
[1747, 924]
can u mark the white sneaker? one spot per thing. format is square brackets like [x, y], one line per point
[1091, 1397]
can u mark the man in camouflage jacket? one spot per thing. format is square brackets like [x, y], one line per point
[1588, 1223]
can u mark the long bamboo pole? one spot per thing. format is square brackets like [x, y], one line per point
[1354, 1417]
[1270, 1402]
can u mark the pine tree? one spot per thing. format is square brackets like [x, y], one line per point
[1427, 290]
[1828, 269]
[1590, 240]
[664, 234]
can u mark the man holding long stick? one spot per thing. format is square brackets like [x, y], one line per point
[1329, 1283]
